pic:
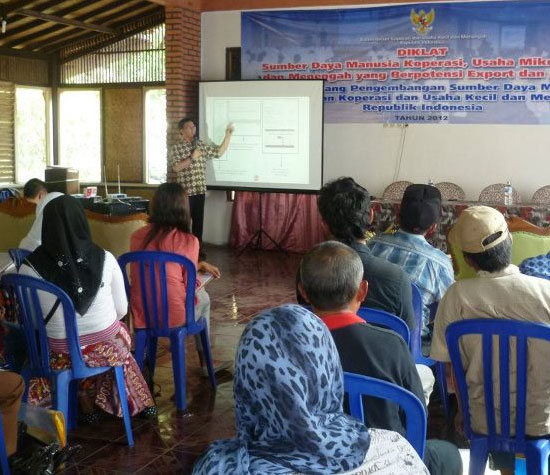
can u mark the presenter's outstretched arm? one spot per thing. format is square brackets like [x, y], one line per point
[228, 132]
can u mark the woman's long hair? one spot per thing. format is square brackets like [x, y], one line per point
[169, 210]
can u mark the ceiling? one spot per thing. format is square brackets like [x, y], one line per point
[66, 29]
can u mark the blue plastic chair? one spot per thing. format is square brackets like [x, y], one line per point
[358, 385]
[416, 348]
[152, 272]
[64, 382]
[5, 194]
[535, 450]
[386, 320]
[18, 255]
[4, 465]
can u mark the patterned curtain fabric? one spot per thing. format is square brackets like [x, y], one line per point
[292, 220]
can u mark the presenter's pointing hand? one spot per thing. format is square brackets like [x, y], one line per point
[229, 129]
[196, 154]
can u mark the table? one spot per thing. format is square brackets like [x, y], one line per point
[385, 213]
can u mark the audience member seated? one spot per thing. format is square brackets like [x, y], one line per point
[35, 191]
[12, 388]
[331, 280]
[169, 230]
[538, 266]
[498, 291]
[93, 280]
[288, 393]
[345, 209]
[429, 268]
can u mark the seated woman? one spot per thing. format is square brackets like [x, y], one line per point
[169, 230]
[288, 393]
[93, 280]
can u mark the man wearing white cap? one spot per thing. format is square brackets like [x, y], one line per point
[498, 291]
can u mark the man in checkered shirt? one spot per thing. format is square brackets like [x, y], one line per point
[187, 162]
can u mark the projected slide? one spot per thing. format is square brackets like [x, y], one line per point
[271, 146]
[270, 141]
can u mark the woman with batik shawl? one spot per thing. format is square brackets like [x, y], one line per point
[288, 405]
[93, 280]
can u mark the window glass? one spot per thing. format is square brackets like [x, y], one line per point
[80, 132]
[155, 135]
[31, 132]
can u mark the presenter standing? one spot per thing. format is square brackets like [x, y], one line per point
[187, 162]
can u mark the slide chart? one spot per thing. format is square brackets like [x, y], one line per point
[270, 142]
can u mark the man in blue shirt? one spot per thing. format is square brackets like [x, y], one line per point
[428, 268]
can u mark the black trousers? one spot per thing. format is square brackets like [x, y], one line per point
[196, 205]
[442, 458]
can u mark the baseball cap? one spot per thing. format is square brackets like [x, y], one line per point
[420, 207]
[474, 225]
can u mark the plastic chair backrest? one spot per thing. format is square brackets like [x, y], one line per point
[5, 194]
[358, 385]
[387, 320]
[504, 329]
[154, 293]
[18, 255]
[31, 317]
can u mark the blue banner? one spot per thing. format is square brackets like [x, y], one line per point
[459, 63]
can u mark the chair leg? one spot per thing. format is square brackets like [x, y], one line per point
[26, 379]
[177, 343]
[119, 375]
[536, 461]
[73, 404]
[139, 354]
[478, 457]
[152, 354]
[208, 355]
[441, 379]
[3, 454]
[61, 397]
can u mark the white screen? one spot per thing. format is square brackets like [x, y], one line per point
[277, 141]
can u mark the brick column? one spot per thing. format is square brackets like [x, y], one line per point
[183, 66]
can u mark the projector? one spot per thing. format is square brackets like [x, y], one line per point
[116, 196]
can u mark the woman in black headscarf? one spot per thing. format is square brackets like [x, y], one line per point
[93, 280]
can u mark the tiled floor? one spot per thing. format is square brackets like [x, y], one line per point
[171, 443]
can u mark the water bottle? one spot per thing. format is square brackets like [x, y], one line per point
[508, 194]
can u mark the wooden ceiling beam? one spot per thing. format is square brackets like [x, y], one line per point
[65, 21]
[22, 53]
[67, 32]
[191, 4]
[156, 18]
[17, 5]
[36, 23]
[142, 8]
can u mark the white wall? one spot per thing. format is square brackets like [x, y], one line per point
[472, 156]
[218, 31]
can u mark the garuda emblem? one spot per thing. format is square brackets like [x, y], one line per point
[422, 21]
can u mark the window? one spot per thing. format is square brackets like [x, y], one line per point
[80, 132]
[7, 99]
[155, 135]
[32, 136]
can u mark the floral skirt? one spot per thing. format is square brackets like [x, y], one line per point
[102, 388]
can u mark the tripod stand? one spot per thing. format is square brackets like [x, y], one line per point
[255, 242]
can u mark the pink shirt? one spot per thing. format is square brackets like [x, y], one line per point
[175, 241]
